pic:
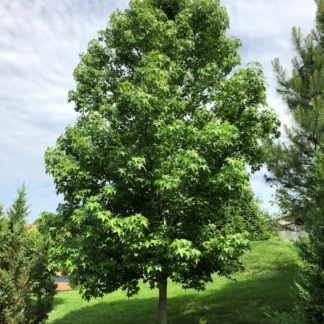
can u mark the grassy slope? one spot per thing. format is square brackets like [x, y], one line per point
[264, 287]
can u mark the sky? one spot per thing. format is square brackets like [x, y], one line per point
[40, 43]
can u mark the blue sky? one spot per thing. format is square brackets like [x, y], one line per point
[39, 48]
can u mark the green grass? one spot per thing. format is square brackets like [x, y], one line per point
[265, 287]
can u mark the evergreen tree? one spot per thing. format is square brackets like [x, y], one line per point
[26, 287]
[311, 248]
[290, 161]
[154, 173]
[297, 164]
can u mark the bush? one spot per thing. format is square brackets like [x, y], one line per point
[311, 248]
[311, 287]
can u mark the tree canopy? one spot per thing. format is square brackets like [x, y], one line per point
[154, 173]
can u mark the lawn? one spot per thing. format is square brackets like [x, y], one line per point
[265, 287]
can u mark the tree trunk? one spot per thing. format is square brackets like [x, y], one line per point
[163, 301]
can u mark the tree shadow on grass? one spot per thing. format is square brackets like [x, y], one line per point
[58, 301]
[237, 302]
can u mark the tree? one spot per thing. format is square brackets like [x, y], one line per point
[290, 161]
[297, 164]
[154, 172]
[311, 248]
[26, 287]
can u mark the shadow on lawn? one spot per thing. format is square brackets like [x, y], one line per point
[58, 301]
[238, 302]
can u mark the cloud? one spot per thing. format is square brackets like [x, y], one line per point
[39, 48]
[264, 192]
[264, 28]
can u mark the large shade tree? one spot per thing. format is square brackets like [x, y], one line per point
[154, 172]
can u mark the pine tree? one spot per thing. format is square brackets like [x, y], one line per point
[154, 173]
[311, 288]
[26, 286]
[290, 161]
[13, 281]
[297, 164]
